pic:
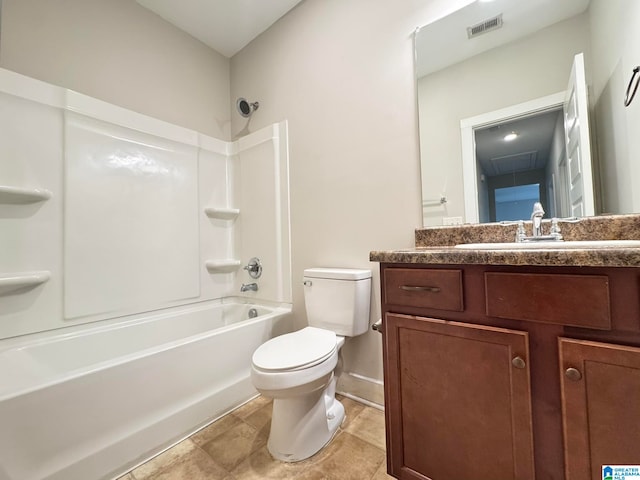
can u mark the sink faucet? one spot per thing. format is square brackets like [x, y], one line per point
[536, 228]
[536, 219]
[246, 287]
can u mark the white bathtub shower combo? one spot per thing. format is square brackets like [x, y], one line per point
[122, 325]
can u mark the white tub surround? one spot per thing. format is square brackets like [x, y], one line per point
[128, 213]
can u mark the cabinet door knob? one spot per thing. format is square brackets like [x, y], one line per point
[573, 374]
[518, 362]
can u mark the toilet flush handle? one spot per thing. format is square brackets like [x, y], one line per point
[377, 326]
[307, 283]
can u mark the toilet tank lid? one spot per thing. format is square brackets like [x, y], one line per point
[338, 273]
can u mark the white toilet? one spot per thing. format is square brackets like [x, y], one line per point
[297, 369]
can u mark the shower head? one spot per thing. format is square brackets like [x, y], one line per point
[245, 108]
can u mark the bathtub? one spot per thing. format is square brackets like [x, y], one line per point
[93, 402]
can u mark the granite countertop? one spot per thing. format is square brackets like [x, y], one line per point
[602, 257]
[435, 245]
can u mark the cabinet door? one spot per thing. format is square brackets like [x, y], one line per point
[458, 400]
[600, 406]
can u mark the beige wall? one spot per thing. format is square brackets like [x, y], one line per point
[616, 51]
[342, 73]
[533, 67]
[119, 52]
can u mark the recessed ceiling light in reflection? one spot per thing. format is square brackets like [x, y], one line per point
[510, 137]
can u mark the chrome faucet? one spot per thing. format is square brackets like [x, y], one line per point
[536, 227]
[246, 287]
[536, 219]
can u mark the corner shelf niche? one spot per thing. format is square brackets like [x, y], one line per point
[222, 266]
[222, 213]
[15, 281]
[19, 195]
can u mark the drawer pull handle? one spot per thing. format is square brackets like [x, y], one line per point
[419, 288]
[518, 362]
[573, 374]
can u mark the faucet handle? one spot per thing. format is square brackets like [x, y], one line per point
[520, 233]
[254, 268]
[555, 229]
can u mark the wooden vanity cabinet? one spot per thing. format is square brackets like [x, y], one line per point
[600, 406]
[464, 397]
[482, 383]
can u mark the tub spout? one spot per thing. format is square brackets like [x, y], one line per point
[246, 287]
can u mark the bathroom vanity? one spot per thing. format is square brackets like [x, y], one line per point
[511, 364]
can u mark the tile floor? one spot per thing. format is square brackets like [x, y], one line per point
[235, 448]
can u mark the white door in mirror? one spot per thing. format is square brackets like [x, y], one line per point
[576, 135]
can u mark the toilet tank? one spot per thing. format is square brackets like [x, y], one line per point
[338, 299]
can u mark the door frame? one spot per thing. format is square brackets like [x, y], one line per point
[470, 124]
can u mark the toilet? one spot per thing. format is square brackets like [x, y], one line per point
[298, 370]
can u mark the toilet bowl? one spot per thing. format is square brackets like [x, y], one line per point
[305, 414]
[299, 370]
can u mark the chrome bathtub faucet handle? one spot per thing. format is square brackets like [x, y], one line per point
[254, 267]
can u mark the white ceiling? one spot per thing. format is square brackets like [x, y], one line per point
[529, 151]
[227, 26]
[444, 42]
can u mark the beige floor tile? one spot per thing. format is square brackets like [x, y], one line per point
[195, 465]
[381, 474]
[352, 409]
[338, 460]
[235, 445]
[262, 466]
[369, 426]
[248, 408]
[215, 429]
[261, 417]
[164, 460]
[312, 474]
[234, 448]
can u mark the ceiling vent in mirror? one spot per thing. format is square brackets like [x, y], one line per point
[485, 26]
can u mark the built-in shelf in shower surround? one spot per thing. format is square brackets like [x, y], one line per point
[222, 266]
[222, 213]
[20, 195]
[10, 282]
[129, 199]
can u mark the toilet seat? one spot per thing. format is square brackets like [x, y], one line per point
[295, 351]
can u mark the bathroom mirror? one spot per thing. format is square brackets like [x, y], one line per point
[500, 57]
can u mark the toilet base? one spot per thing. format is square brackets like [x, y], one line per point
[301, 426]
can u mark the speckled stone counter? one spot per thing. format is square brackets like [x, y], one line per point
[609, 227]
[435, 245]
[609, 257]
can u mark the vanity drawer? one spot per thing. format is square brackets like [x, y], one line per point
[424, 288]
[573, 300]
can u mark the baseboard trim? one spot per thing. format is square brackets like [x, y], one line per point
[362, 389]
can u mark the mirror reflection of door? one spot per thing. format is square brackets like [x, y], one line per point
[514, 162]
[577, 139]
[545, 145]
